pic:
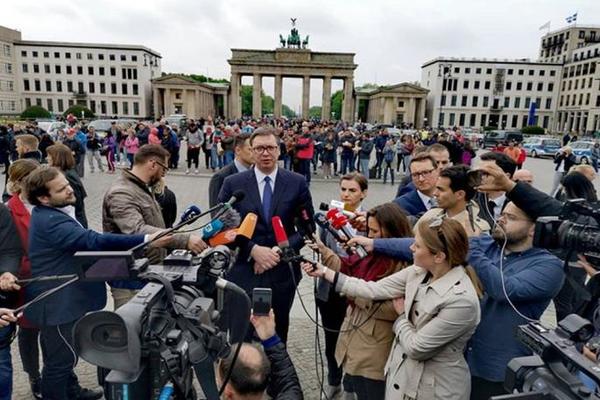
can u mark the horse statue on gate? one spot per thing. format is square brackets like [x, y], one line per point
[294, 41]
[305, 42]
[282, 40]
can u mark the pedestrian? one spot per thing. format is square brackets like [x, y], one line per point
[329, 153]
[563, 160]
[389, 153]
[195, 139]
[93, 149]
[108, 149]
[468, 153]
[365, 148]
[595, 155]
[132, 145]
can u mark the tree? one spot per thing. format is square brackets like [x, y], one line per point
[267, 103]
[77, 109]
[336, 104]
[34, 112]
[287, 112]
[315, 112]
[533, 130]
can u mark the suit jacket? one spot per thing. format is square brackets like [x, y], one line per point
[484, 211]
[427, 358]
[411, 203]
[216, 182]
[54, 237]
[290, 195]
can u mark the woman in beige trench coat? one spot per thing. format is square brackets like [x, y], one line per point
[438, 311]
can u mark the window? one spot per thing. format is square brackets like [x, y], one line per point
[100, 56]
[38, 102]
[26, 85]
[527, 102]
[125, 108]
[552, 73]
[487, 85]
[37, 86]
[123, 57]
[521, 72]
[69, 70]
[59, 86]
[488, 71]
[48, 86]
[115, 108]
[34, 54]
[514, 121]
[60, 105]
[57, 69]
[456, 70]
[540, 86]
[465, 84]
[472, 119]
[467, 70]
[80, 87]
[134, 58]
[478, 70]
[93, 106]
[102, 87]
[90, 70]
[27, 102]
[135, 74]
[587, 99]
[476, 85]
[134, 89]
[123, 73]
[550, 86]
[542, 72]
[519, 85]
[529, 86]
[69, 86]
[506, 102]
[111, 57]
[508, 85]
[36, 68]
[581, 34]
[442, 99]
[47, 68]
[474, 101]
[46, 54]
[78, 56]
[113, 71]
[453, 101]
[25, 68]
[517, 102]
[101, 71]
[68, 55]
[124, 89]
[483, 119]
[103, 107]
[486, 100]
[91, 87]
[400, 103]
[23, 53]
[113, 88]
[136, 108]
[50, 105]
[538, 102]
[548, 103]
[56, 54]
[531, 72]
[510, 71]
[79, 70]
[90, 56]
[461, 120]
[452, 119]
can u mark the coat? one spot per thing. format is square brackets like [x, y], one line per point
[411, 203]
[427, 358]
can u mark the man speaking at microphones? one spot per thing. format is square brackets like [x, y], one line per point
[270, 192]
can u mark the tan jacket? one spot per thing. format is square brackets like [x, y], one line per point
[481, 225]
[366, 335]
[129, 207]
[426, 361]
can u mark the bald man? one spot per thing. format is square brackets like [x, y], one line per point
[523, 175]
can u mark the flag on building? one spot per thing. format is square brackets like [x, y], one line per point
[571, 18]
[545, 26]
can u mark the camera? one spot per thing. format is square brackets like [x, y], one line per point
[553, 371]
[567, 232]
[164, 334]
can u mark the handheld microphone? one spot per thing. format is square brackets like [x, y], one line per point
[324, 223]
[239, 235]
[189, 212]
[306, 225]
[340, 221]
[337, 205]
[288, 254]
[238, 195]
[230, 219]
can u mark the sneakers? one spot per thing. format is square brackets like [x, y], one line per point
[196, 172]
[187, 171]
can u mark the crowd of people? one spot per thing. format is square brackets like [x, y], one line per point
[429, 313]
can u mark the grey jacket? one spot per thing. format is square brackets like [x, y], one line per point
[129, 207]
[426, 361]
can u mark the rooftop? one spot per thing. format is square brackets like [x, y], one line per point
[488, 61]
[106, 46]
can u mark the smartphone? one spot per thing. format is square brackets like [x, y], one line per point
[475, 177]
[261, 301]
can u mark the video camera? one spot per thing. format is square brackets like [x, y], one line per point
[563, 232]
[552, 373]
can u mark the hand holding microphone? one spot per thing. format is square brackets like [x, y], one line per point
[340, 222]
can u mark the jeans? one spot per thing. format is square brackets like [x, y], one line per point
[6, 370]
[556, 182]
[130, 159]
[287, 162]
[347, 164]
[304, 169]
[94, 155]
[388, 167]
[58, 378]
[215, 159]
[595, 164]
[30, 351]
[364, 167]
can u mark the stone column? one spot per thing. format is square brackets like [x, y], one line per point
[197, 109]
[421, 112]
[234, 97]
[225, 108]
[256, 96]
[347, 103]
[168, 105]
[305, 96]
[326, 102]
[155, 102]
[277, 107]
[411, 111]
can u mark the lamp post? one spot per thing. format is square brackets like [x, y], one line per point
[444, 72]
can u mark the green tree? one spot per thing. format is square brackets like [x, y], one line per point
[336, 104]
[533, 130]
[34, 112]
[77, 109]
[287, 111]
[315, 112]
[267, 102]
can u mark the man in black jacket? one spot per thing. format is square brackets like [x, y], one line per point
[243, 160]
[260, 366]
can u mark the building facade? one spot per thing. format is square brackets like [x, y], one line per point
[9, 93]
[109, 79]
[399, 104]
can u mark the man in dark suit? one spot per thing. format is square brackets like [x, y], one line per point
[270, 191]
[54, 237]
[424, 173]
[242, 161]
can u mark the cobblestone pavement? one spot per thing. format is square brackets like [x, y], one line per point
[193, 189]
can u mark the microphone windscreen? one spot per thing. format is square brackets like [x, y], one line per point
[248, 225]
[230, 219]
[324, 207]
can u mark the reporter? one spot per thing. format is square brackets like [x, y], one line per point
[366, 335]
[6, 317]
[426, 361]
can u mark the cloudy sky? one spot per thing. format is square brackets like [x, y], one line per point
[391, 38]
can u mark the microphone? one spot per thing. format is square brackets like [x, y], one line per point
[288, 254]
[189, 212]
[238, 195]
[334, 204]
[305, 224]
[239, 235]
[324, 223]
[230, 219]
[340, 221]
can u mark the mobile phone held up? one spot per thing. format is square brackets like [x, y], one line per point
[261, 301]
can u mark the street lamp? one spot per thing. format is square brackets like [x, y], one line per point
[444, 72]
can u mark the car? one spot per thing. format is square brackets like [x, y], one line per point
[493, 138]
[103, 125]
[583, 151]
[541, 147]
[51, 127]
[177, 119]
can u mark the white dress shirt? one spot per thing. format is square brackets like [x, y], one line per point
[260, 180]
[426, 200]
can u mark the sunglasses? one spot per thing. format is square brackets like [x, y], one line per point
[436, 224]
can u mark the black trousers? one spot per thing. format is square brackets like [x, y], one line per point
[30, 351]
[482, 389]
[58, 379]
[192, 156]
[332, 313]
[364, 388]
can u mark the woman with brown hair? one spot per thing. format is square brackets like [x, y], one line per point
[61, 157]
[20, 211]
[366, 334]
[438, 311]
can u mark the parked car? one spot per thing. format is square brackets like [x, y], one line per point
[51, 127]
[177, 119]
[493, 138]
[582, 151]
[541, 147]
[103, 125]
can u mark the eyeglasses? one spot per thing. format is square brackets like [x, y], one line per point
[162, 165]
[262, 149]
[422, 174]
[436, 224]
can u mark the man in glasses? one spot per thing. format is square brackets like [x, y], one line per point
[424, 173]
[129, 206]
[442, 159]
[270, 191]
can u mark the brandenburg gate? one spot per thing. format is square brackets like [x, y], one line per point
[292, 60]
